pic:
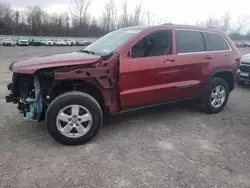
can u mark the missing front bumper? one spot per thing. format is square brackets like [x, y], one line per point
[26, 92]
[10, 98]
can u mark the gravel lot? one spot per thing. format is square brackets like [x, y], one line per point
[167, 146]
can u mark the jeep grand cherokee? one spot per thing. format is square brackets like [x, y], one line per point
[126, 69]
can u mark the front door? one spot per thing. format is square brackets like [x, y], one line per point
[145, 77]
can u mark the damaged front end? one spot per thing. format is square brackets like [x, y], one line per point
[26, 92]
[34, 89]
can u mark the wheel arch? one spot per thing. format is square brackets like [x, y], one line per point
[226, 74]
[83, 86]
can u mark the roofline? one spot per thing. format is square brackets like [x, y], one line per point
[175, 26]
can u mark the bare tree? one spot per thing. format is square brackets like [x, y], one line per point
[226, 22]
[35, 16]
[131, 18]
[162, 20]
[242, 21]
[6, 17]
[149, 16]
[37, 22]
[136, 17]
[79, 10]
[109, 15]
[124, 17]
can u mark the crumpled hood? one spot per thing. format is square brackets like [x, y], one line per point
[246, 58]
[30, 66]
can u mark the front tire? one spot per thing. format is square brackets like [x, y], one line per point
[74, 118]
[215, 96]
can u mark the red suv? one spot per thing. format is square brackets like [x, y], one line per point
[127, 68]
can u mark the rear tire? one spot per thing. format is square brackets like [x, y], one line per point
[87, 105]
[213, 101]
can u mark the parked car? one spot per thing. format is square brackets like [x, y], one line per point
[70, 42]
[82, 43]
[126, 69]
[246, 44]
[23, 42]
[47, 42]
[9, 42]
[36, 42]
[239, 44]
[60, 42]
[245, 69]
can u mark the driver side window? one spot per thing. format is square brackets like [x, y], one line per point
[155, 44]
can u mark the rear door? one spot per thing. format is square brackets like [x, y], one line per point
[221, 54]
[191, 60]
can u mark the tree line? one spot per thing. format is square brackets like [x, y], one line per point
[34, 21]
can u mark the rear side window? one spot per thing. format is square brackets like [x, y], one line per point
[189, 41]
[214, 42]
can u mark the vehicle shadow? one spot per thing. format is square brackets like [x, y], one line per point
[245, 86]
[153, 112]
[39, 134]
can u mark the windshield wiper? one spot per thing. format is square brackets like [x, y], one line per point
[87, 51]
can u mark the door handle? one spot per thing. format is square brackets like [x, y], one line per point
[208, 57]
[168, 60]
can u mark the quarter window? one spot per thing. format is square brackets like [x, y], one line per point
[189, 41]
[214, 42]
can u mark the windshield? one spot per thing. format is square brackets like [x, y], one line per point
[112, 41]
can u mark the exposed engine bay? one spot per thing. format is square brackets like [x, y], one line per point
[34, 92]
[29, 92]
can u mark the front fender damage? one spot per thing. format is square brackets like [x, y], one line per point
[103, 74]
[34, 93]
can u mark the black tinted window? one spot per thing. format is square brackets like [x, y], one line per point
[214, 42]
[189, 41]
[155, 44]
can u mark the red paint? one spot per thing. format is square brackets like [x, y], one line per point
[152, 80]
[32, 65]
[143, 81]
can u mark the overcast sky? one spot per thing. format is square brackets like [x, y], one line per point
[177, 11]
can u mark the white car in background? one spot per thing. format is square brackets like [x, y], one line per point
[47, 42]
[8, 42]
[70, 42]
[23, 42]
[60, 42]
